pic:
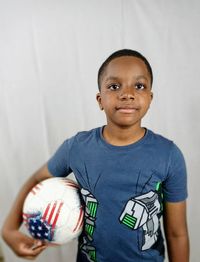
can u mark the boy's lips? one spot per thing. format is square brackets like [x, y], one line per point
[127, 109]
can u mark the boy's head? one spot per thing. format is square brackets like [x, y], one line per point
[125, 83]
[120, 53]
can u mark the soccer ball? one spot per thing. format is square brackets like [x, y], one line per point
[53, 211]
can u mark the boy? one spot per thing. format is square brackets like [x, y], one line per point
[131, 175]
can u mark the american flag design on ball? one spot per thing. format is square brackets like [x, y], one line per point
[53, 211]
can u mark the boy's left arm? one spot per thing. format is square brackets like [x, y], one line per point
[176, 232]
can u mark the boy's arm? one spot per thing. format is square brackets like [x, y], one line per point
[176, 231]
[21, 244]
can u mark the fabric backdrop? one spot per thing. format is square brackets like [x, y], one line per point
[50, 52]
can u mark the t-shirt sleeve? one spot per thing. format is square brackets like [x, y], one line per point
[59, 164]
[175, 185]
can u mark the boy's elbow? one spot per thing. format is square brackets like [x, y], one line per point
[177, 233]
[4, 233]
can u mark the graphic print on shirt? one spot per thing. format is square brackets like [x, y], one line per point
[144, 211]
[91, 206]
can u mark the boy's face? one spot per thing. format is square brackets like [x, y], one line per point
[125, 94]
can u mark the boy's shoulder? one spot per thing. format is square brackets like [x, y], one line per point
[88, 134]
[164, 145]
[159, 138]
[85, 137]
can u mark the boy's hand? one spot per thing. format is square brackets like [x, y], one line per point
[24, 246]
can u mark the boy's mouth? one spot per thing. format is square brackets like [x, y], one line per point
[127, 109]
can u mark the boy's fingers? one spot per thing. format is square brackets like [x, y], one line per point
[38, 250]
[31, 254]
[36, 244]
[32, 248]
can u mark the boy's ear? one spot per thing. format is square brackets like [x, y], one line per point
[151, 96]
[98, 98]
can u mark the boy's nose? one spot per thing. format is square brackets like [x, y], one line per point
[127, 93]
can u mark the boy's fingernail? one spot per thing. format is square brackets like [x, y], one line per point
[39, 243]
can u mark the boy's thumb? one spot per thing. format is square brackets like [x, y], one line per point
[37, 243]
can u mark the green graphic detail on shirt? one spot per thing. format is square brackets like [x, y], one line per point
[159, 191]
[92, 255]
[92, 207]
[158, 186]
[87, 248]
[91, 211]
[130, 221]
[89, 229]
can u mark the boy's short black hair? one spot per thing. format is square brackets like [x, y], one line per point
[119, 53]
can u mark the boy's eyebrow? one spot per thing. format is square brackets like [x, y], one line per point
[115, 78]
[141, 76]
[112, 78]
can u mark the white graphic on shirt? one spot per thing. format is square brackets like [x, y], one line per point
[142, 211]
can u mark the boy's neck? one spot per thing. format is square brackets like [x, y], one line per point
[118, 136]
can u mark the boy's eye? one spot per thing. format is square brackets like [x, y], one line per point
[140, 86]
[114, 87]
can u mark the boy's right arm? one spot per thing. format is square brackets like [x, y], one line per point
[24, 246]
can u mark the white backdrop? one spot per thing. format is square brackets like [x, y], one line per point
[50, 52]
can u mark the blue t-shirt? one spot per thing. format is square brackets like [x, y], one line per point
[123, 188]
